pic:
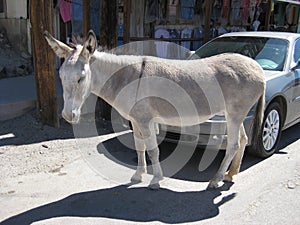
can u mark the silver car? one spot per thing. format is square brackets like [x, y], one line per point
[278, 54]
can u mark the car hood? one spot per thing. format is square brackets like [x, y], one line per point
[272, 74]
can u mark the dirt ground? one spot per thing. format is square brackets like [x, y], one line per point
[45, 180]
[31, 147]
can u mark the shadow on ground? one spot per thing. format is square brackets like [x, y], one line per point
[132, 204]
[28, 129]
[142, 204]
[119, 153]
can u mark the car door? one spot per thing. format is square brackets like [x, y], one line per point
[294, 110]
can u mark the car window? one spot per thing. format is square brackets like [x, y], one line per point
[297, 51]
[270, 53]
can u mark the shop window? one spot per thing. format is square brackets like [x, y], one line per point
[2, 6]
[3, 9]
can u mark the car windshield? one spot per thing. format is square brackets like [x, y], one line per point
[270, 53]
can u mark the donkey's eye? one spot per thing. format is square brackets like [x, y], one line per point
[80, 79]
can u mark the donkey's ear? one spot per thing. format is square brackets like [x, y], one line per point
[90, 45]
[61, 50]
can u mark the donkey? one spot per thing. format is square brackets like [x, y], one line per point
[228, 83]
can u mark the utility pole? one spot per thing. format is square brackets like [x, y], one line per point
[108, 23]
[41, 15]
[86, 23]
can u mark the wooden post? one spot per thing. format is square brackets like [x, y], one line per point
[208, 5]
[108, 39]
[41, 16]
[109, 23]
[127, 10]
[86, 23]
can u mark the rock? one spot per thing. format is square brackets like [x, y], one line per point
[291, 184]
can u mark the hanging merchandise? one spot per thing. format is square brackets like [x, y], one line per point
[245, 5]
[163, 8]
[77, 17]
[256, 24]
[120, 33]
[198, 33]
[65, 7]
[174, 33]
[162, 46]
[235, 15]
[120, 21]
[216, 10]
[174, 47]
[151, 11]
[173, 8]
[187, 9]
[225, 9]
[137, 18]
[252, 10]
[186, 33]
[213, 32]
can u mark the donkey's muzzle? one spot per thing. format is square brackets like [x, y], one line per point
[72, 118]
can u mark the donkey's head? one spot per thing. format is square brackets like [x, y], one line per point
[75, 73]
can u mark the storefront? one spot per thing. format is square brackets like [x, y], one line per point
[189, 23]
[198, 21]
[285, 16]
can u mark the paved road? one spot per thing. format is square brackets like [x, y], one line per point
[75, 192]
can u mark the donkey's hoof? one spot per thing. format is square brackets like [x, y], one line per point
[228, 178]
[212, 185]
[155, 186]
[136, 178]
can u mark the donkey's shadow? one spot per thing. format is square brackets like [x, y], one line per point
[132, 204]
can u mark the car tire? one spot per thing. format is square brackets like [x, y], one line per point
[269, 136]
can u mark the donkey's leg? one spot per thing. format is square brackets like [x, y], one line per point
[233, 128]
[237, 160]
[149, 136]
[157, 172]
[140, 150]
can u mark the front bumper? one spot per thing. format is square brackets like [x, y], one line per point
[210, 133]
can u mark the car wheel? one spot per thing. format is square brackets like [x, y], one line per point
[269, 136]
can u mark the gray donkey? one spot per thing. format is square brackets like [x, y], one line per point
[149, 90]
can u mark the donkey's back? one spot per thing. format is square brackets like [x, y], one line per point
[229, 83]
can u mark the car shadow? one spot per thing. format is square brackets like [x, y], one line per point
[131, 204]
[116, 150]
[288, 137]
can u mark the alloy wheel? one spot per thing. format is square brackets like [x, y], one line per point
[271, 130]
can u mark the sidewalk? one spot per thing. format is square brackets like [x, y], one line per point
[17, 96]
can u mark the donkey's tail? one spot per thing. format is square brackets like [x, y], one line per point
[258, 120]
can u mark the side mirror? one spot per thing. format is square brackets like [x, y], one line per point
[190, 54]
[296, 67]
